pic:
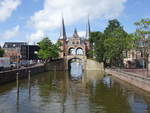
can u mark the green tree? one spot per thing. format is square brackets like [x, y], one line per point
[1, 52]
[97, 46]
[116, 42]
[48, 50]
[143, 38]
[108, 47]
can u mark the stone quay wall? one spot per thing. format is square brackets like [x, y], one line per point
[8, 76]
[92, 65]
[131, 78]
[56, 65]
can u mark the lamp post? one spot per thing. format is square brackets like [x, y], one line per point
[35, 52]
[28, 54]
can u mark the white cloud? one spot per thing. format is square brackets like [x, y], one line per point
[81, 33]
[35, 37]
[73, 11]
[11, 33]
[7, 7]
[1, 44]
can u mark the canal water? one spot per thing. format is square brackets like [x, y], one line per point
[59, 92]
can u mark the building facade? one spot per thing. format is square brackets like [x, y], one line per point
[13, 50]
[74, 45]
[29, 52]
[20, 51]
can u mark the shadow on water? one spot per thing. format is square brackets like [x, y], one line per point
[63, 92]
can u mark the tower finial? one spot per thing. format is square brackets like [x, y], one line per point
[75, 33]
[63, 31]
[88, 28]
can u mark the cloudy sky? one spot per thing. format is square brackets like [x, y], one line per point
[30, 20]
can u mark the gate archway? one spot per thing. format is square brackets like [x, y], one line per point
[75, 67]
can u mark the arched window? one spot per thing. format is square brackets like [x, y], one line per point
[71, 51]
[79, 51]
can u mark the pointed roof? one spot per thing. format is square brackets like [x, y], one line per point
[75, 33]
[88, 29]
[63, 31]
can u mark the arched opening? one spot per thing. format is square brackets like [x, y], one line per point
[75, 67]
[71, 51]
[79, 51]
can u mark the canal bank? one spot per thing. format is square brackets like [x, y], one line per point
[9, 76]
[56, 65]
[132, 78]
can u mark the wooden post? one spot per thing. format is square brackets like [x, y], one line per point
[29, 76]
[29, 85]
[17, 81]
[17, 84]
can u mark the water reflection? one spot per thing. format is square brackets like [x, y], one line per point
[76, 70]
[54, 92]
[107, 81]
[17, 100]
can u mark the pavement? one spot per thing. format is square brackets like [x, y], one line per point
[139, 72]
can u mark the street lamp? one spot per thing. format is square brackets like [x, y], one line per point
[28, 55]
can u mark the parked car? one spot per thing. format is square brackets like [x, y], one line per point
[4, 62]
[24, 63]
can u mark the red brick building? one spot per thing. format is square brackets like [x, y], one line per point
[74, 45]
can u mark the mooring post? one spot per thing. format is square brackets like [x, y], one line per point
[17, 84]
[17, 81]
[29, 85]
[29, 76]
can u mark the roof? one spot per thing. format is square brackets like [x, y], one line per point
[14, 44]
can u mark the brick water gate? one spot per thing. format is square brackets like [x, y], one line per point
[74, 47]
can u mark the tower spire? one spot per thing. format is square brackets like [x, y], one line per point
[88, 29]
[75, 33]
[63, 31]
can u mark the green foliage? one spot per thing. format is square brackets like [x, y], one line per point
[143, 27]
[97, 46]
[143, 36]
[110, 45]
[48, 50]
[1, 52]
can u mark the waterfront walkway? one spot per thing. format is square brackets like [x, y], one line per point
[139, 72]
[134, 77]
